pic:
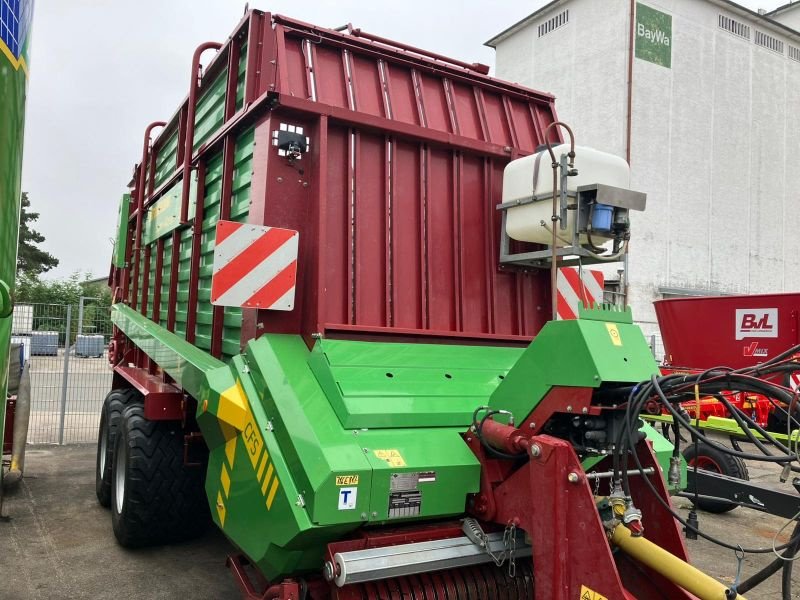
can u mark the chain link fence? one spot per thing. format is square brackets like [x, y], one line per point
[66, 350]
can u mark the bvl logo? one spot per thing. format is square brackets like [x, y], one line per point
[756, 323]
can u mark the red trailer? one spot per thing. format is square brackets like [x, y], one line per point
[734, 331]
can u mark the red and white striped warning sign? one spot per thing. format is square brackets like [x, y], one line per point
[794, 381]
[254, 266]
[574, 288]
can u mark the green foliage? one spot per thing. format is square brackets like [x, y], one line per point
[32, 290]
[50, 299]
[31, 260]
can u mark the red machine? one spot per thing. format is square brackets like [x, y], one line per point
[737, 332]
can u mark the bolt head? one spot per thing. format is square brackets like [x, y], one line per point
[573, 477]
[584, 410]
[536, 450]
[533, 425]
[569, 408]
[327, 571]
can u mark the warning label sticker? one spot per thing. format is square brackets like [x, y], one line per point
[347, 480]
[404, 504]
[391, 456]
[588, 594]
[613, 333]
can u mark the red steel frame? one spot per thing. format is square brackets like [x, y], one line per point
[395, 201]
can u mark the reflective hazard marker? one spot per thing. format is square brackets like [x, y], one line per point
[572, 289]
[254, 266]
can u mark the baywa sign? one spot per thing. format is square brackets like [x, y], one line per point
[653, 36]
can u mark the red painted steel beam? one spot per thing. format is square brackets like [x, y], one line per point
[140, 194]
[194, 265]
[188, 148]
[162, 401]
[477, 67]
[394, 53]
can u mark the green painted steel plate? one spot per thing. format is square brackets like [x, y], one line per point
[390, 385]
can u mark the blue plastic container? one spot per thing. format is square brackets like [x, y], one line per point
[601, 217]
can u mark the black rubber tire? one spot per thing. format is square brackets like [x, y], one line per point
[162, 500]
[712, 459]
[110, 414]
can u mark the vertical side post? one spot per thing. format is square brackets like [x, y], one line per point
[65, 378]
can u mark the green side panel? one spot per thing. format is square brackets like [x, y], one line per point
[331, 479]
[165, 215]
[183, 362]
[184, 274]
[213, 191]
[240, 207]
[602, 346]
[121, 242]
[151, 279]
[210, 111]
[425, 385]
[166, 277]
[14, 61]
[241, 80]
[167, 159]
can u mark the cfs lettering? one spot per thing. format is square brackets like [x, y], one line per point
[252, 439]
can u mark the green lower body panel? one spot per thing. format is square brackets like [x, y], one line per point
[307, 446]
[282, 462]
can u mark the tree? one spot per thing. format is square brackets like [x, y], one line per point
[31, 260]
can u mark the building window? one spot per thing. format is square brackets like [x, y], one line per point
[554, 23]
[735, 27]
[794, 53]
[769, 42]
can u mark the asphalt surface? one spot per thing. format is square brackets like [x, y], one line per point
[58, 542]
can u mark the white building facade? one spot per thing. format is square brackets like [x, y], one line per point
[703, 98]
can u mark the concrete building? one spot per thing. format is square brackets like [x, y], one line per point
[703, 98]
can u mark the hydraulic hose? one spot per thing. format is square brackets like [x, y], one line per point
[22, 415]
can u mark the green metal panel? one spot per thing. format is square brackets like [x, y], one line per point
[241, 80]
[240, 207]
[167, 159]
[210, 111]
[165, 215]
[602, 346]
[183, 362]
[166, 276]
[426, 385]
[13, 84]
[121, 243]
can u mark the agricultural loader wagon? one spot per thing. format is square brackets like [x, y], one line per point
[327, 276]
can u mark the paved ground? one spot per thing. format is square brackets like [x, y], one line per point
[58, 543]
[87, 383]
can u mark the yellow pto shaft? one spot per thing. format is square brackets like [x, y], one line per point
[670, 566]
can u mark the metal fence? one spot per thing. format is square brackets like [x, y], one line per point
[66, 347]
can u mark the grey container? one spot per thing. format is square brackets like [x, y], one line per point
[44, 343]
[89, 345]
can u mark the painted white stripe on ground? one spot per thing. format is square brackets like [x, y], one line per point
[236, 243]
[264, 272]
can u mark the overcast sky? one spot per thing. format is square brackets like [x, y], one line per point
[102, 70]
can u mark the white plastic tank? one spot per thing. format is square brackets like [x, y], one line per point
[524, 223]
